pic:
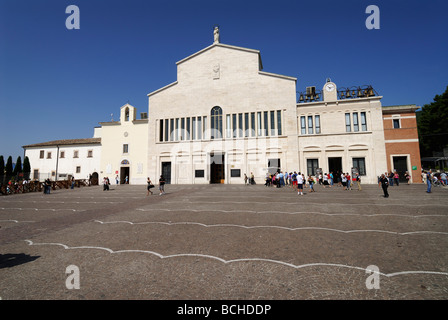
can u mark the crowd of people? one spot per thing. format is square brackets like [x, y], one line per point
[298, 181]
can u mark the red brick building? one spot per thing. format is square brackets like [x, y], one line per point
[401, 138]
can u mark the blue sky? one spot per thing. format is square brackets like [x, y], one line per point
[57, 83]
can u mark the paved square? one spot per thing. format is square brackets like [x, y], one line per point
[225, 242]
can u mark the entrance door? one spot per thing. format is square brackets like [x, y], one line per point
[401, 166]
[166, 172]
[124, 172]
[335, 165]
[216, 168]
[94, 179]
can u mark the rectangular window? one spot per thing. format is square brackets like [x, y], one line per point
[90, 154]
[199, 173]
[246, 125]
[36, 174]
[182, 129]
[234, 124]
[396, 123]
[125, 148]
[360, 164]
[272, 123]
[199, 128]
[205, 128]
[187, 129]
[193, 128]
[259, 126]
[62, 156]
[312, 166]
[160, 130]
[78, 169]
[302, 125]
[75, 154]
[48, 155]
[240, 125]
[252, 124]
[279, 122]
[363, 121]
[228, 127]
[235, 173]
[176, 130]
[310, 125]
[167, 132]
[171, 129]
[317, 123]
[348, 127]
[42, 154]
[355, 122]
[266, 124]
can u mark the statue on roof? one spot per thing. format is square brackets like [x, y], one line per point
[216, 34]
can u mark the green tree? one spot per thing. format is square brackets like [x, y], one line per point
[18, 167]
[26, 168]
[2, 169]
[8, 168]
[432, 125]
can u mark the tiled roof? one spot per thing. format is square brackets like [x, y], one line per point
[66, 142]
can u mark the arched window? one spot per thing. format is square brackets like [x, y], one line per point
[216, 123]
[126, 114]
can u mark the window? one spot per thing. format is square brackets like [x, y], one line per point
[216, 123]
[126, 114]
[235, 173]
[90, 154]
[246, 125]
[317, 123]
[310, 125]
[204, 128]
[42, 154]
[355, 122]
[75, 154]
[279, 122]
[266, 132]
[272, 123]
[182, 129]
[360, 163]
[199, 173]
[228, 127]
[363, 121]
[36, 174]
[193, 128]
[259, 126]
[396, 123]
[187, 129]
[302, 125]
[161, 130]
[62, 155]
[252, 124]
[167, 130]
[171, 129]
[240, 125]
[312, 166]
[199, 128]
[78, 169]
[348, 127]
[48, 155]
[234, 125]
[125, 148]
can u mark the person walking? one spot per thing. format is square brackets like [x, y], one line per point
[161, 185]
[311, 183]
[396, 178]
[300, 184]
[384, 183]
[245, 179]
[358, 181]
[149, 187]
[428, 180]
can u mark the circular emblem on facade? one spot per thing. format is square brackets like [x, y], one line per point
[126, 134]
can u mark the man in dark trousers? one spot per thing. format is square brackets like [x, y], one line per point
[384, 184]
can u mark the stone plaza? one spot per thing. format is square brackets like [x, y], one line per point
[219, 242]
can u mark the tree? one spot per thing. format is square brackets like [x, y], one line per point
[2, 169]
[432, 125]
[26, 168]
[8, 168]
[18, 167]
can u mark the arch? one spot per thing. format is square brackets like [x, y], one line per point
[126, 114]
[216, 122]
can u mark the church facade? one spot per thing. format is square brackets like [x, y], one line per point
[224, 117]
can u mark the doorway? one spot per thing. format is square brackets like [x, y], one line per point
[166, 172]
[124, 172]
[217, 168]
[335, 165]
[401, 166]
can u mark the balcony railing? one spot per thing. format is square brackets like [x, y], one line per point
[313, 95]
